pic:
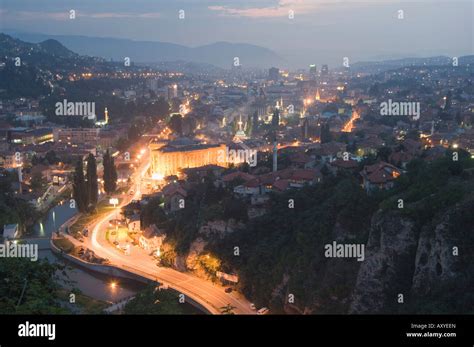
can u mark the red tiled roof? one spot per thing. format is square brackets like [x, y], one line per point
[300, 158]
[304, 174]
[172, 189]
[330, 148]
[381, 172]
[286, 174]
[253, 183]
[238, 174]
[380, 177]
[344, 164]
[281, 185]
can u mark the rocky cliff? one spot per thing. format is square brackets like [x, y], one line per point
[426, 264]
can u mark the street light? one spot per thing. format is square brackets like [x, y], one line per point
[113, 201]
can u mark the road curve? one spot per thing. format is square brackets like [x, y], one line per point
[209, 295]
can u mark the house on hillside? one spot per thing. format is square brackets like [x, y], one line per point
[174, 195]
[380, 175]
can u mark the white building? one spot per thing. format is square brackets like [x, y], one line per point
[10, 231]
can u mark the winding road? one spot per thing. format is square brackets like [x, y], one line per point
[209, 295]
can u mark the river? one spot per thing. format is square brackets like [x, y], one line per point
[95, 285]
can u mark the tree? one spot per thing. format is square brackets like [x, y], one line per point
[449, 97]
[154, 301]
[51, 157]
[176, 124]
[110, 174]
[152, 213]
[37, 182]
[79, 187]
[325, 133]
[91, 184]
[30, 287]
[383, 153]
[162, 108]
[236, 209]
[276, 118]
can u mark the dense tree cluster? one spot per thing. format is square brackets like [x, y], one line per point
[29, 287]
[284, 248]
[86, 187]
[110, 173]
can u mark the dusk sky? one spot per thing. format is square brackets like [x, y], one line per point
[321, 31]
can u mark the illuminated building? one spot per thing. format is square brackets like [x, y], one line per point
[76, 135]
[170, 159]
[240, 134]
[31, 137]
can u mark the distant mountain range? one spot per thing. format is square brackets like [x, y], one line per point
[220, 54]
[378, 66]
[10, 46]
[48, 54]
[168, 55]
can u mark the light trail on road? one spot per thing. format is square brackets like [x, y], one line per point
[209, 295]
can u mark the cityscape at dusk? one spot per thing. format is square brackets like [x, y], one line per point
[260, 158]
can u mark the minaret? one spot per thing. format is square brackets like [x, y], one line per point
[20, 179]
[432, 127]
[240, 122]
[106, 114]
[275, 152]
[318, 96]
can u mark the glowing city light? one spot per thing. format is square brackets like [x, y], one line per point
[349, 126]
[113, 201]
[157, 176]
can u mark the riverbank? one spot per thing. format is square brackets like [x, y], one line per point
[75, 279]
[115, 272]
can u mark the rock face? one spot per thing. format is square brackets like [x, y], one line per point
[434, 259]
[390, 252]
[445, 258]
[220, 228]
[431, 266]
[196, 248]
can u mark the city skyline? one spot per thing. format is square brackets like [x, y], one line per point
[300, 32]
[257, 157]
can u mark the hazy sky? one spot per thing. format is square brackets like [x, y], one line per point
[320, 31]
